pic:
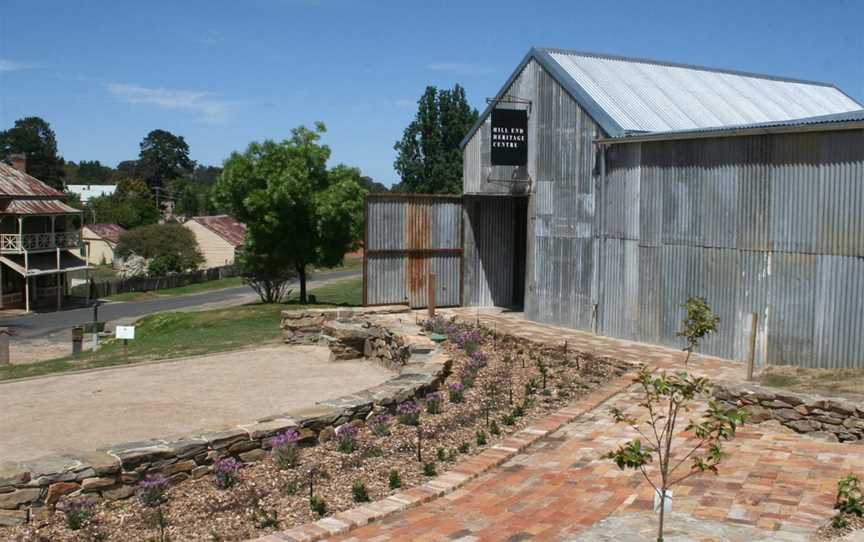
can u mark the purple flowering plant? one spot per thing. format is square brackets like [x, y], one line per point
[284, 449]
[380, 424]
[225, 472]
[408, 413]
[456, 392]
[78, 512]
[433, 403]
[469, 340]
[346, 438]
[151, 490]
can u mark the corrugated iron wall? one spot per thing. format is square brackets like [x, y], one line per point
[408, 237]
[772, 225]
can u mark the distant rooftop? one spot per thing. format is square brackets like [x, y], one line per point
[14, 183]
[109, 232]
[226, 227]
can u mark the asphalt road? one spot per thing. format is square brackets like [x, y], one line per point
[39, 324]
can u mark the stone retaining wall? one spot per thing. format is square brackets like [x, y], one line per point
[31, 488]
[349, 334]
[833, 419]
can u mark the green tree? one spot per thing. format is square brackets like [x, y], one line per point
[665, 397]
[429, 159]
[35, 138]
[93, 172]
[163, 157]
[699, 322]
[131, 206]
[170, 247]
[297, 212]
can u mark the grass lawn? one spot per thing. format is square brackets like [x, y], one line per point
[178, 334]
[351, 264]
[841, 383]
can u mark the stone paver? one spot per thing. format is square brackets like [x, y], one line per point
[774, 484]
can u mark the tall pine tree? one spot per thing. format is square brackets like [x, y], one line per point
[429, 158]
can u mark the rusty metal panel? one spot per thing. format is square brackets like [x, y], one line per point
[409, 236]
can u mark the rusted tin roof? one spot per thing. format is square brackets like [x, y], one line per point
[226, 227]
[14, 183]
[36, 207]
[108, 232]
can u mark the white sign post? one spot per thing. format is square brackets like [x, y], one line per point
[125, 333]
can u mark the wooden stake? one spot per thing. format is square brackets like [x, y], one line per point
[430, 294]
[751, 351]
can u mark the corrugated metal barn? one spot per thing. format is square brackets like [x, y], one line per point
[649, 182]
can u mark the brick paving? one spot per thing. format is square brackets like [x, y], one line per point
[772, 482]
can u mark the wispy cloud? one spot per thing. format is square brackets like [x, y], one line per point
[204, 104]
[9, 66]
[459, 68]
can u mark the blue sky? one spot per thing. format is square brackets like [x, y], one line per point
[222, 74]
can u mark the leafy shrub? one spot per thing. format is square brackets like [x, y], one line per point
[464, 448]
[346, 438]
[291, 488]
[518, 411]
[481, 438]
[433, 403]
[849, 500]
[508, 419]
[318, 505]
[408, 413]
[225, 472]
[169, 247]
[395, 480]
[285, 452]
[456, 392]
[441, 454]
[359, 492]
[78, 512]
[380, 425]
[151, 490]
[429, 469]
[494, 429]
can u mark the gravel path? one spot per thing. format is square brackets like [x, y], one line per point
[89, 410]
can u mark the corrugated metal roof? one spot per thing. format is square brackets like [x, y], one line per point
[633, 95]
[17, 183]
[850, 120]
[37, 207]
[226, 227]
[109, 232]
[649, 96]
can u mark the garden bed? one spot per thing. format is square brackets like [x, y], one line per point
[504, 385]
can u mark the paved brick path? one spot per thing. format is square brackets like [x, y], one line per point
[772, 480]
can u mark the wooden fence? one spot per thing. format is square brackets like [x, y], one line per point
[105, 288]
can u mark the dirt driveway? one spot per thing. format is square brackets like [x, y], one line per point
[90, 410]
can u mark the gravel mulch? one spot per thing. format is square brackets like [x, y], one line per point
[266, 498]
[830, 532]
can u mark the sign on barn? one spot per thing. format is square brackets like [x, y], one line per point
[509, 134]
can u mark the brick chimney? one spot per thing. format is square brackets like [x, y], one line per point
[19, 162]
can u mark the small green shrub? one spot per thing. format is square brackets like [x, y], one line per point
[464, 448]
[481, 438]
[78, 513]
[318, 505]
[849, 500]
[395, 480]
[508, 419]
[359, 492]
[494, 429]
[518, 411]
[429, 469]
[291, 488]
[441, 454]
